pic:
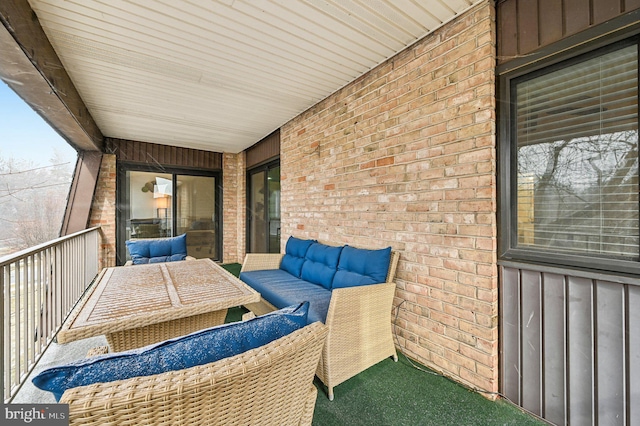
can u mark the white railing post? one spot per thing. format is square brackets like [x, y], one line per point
[39, 287]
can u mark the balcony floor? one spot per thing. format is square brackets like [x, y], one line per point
[55, 355]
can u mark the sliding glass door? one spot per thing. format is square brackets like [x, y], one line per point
[155, 205]
[263, 213]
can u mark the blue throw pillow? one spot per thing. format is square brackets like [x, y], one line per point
[321, 264]
[362, 267]
[198, 348]
[156, 250]
[293, 258]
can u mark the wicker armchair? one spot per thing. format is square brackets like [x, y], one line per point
[269, 385]
[359, 322]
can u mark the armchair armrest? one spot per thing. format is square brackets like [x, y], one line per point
[260, 261]
[360, 335]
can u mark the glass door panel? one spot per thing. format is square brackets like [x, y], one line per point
[148, 204]
[257, 213]
[263, 216]
[274, 209]
[195, 214]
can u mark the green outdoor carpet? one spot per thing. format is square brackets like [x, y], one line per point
[395, 393]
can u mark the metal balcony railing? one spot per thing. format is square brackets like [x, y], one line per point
[40, 286]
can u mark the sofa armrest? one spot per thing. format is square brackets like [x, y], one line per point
[260, 261]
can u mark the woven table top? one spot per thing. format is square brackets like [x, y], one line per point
[126, 297]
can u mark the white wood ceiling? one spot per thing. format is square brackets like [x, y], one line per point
[221, 75]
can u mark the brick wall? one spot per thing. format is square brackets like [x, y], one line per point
[103, 210]
[233, 199]
[405, 157]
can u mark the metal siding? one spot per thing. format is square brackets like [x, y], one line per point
[610, 352]
[631, 5]
[162, 155]
[525, 26]
[633, 350]
[267, 149]
[589, 353]
[531, 368]
[511, 334]
[580, 347]
[578, 16]
[603, 10]
[528, 37]
[554, 345]
[507, 31]
[551, 15]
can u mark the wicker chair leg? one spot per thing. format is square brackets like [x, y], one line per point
[395, 357]
[330, 392]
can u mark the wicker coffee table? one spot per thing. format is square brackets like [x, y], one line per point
[134, 306]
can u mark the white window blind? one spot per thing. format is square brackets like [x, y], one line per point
[577, 157]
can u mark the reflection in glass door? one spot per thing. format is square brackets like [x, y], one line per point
[148, 205]
[263, 215]
[196, 214]
[156, 205]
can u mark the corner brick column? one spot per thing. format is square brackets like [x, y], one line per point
[103, 210]
[233, 200]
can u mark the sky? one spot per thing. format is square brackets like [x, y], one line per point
[24, 135]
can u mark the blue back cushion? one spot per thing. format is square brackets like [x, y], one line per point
[198, 348]
[293, 258]
[321, 264]
[155, 250]
[362, 267]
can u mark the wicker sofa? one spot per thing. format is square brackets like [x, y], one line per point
[268, 385]
[358, 317]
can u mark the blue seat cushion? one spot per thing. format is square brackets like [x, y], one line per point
[361, 267]
[283, 289]
[198, 348]
[321, 264]
[154, 250]
[293, 258]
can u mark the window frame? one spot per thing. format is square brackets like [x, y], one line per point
[508, 249]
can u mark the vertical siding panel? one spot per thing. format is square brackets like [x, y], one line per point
[551, 17]
[531, 341]
[554, 354]
[528, 40]
[604, 10]
[507, 31]
[630, 5]
[610, 352]
[156, 154]
[577, 16]
[580, 342]
[633, 348]
[510, 334]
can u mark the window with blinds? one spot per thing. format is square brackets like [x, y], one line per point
[576, 145]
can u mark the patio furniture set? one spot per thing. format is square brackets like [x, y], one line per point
[322, 311]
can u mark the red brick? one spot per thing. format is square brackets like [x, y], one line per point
[406, 158]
